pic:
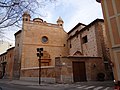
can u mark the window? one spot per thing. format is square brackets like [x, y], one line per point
[60, 24]
[84, 39]
[3, 58]
[44, 39]
[76, 36]
[70, 46]
[26, 19]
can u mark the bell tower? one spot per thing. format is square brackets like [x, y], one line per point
[60, 22]
[26, 17]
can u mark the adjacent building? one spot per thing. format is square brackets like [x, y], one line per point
[7, 64]
[90, 41]
[111, 12]
[88, 54]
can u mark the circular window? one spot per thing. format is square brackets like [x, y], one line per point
[44, 39]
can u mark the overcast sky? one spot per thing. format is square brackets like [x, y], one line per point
[71, 11]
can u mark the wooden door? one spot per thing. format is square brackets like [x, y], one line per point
[79, 71]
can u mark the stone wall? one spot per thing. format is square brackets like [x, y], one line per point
[90, 47]
[32, 74]
[87, 40]
[17, 54]
[64, 69]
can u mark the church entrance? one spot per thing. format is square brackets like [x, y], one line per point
[79, 71]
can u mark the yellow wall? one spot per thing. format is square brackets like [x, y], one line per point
[111, 11]
[56, 46]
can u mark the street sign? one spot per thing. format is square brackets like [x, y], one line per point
[39, 52]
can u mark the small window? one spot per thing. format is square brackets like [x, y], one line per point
[84, 39]
[70, 46]
[26, 19]
[60, 24]
[77, 36]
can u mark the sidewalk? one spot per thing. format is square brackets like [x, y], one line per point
[36, 84]
[21, 82]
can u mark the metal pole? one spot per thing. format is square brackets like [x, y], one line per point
[39, 54]
[39, 70]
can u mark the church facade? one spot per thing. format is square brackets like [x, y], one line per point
[40, 34]
[84, 45]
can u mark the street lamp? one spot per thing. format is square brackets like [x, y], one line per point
[39, 55]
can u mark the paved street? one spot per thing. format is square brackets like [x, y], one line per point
[25, 85]
[15, 87]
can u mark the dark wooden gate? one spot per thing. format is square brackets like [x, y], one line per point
[79, 71]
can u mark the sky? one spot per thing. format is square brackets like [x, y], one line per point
[71, 11]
